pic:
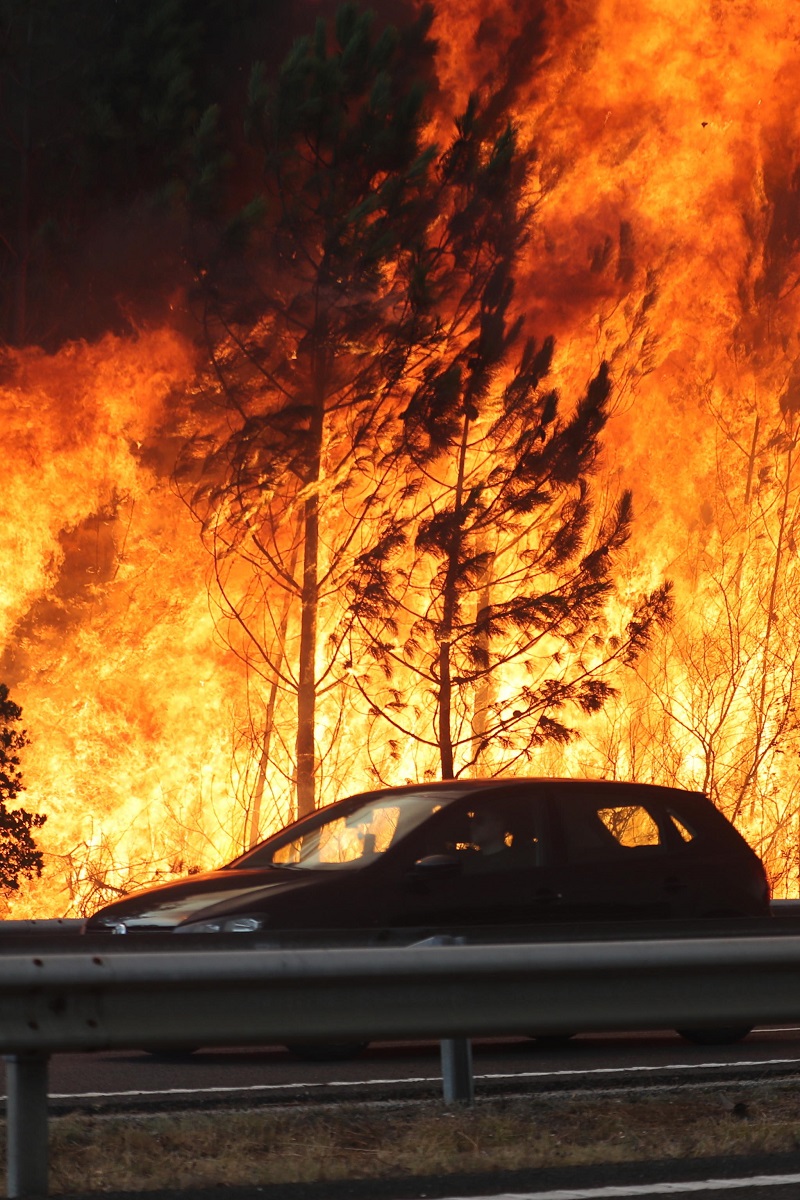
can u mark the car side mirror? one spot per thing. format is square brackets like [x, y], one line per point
[434, 866]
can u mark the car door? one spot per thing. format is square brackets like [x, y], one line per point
[618, 860]
[445, 875]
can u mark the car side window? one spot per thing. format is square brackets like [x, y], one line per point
[631, 825]
[596, 830]
[487, 837]
[685, 832]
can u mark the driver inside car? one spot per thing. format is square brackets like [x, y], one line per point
[496, 845]
[488, 834]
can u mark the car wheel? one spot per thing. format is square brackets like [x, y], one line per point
[326, 1051]
[715, 1037]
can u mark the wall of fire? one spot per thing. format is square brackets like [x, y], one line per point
[666, 241]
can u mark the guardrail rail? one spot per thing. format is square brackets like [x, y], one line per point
[76, 998]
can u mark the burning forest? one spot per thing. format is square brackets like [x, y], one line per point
[394, 396]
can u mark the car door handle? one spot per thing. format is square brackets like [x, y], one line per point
[547, 896]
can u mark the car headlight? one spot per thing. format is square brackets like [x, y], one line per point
[223, 925]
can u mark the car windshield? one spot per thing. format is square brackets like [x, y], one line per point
[348, 837]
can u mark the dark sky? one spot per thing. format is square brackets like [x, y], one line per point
[101, 106]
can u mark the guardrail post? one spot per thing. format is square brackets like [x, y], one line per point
[458, 1085]
[26, 1125]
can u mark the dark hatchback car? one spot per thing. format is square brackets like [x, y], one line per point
[488, 853]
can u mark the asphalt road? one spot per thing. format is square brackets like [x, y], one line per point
[773, 1181]
[393, 1070]
[213, 1077]
[766, 1187]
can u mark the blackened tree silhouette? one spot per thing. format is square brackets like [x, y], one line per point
[19, 855]
[485, 600]
[310, 311]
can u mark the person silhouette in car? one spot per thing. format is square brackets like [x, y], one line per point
[499, 843]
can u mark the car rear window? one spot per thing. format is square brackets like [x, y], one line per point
[630, 825]
[594, 829]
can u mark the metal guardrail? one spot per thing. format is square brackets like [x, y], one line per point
[78, 999]
[36, 926]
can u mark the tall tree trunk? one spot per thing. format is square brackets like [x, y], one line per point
[449, 608]
[307, 682]
[254, 823]
[483, 691]
[444, 732]
[269, 716]
[306, 756]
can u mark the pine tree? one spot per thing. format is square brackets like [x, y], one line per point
[483, 600]
[19, 856]
[309, 311]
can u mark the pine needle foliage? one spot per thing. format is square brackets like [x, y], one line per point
[488, 586]
[19, 856]
[310, 313]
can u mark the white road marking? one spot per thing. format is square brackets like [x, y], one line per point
[704, 1066]
[432, 1079]
[237, 1090]
[648, 1189]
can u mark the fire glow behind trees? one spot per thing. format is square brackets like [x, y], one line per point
[664, 242]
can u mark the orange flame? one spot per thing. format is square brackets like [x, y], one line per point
[107, 634]
[667, 241]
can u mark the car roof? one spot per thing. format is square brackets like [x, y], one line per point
[571, 785]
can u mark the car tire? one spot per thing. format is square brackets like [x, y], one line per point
[326, 1051]
[724, 1036]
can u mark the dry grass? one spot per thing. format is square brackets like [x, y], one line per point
[144, 1152]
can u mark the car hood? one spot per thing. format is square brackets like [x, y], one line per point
[196, 898]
